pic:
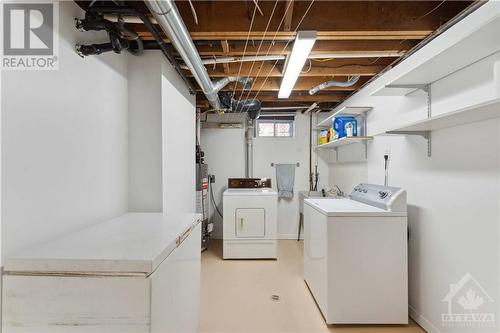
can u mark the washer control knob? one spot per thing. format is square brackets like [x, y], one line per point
[364, 190]
[382, 194]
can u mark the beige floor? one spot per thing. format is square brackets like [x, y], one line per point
[236, 296]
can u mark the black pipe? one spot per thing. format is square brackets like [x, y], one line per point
[93, 49]
[149, 25]
[251, 106]
[134, 47]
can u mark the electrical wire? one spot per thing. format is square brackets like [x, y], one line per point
[309, 69]
[260, 45]
[193, 11]
[213, 200]
[244, 51]
[432, 10]
[286, 45]
[271, 44]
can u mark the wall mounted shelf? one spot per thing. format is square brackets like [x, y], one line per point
[480, 33]
[344, 141]
[344, 111]
[484, 111]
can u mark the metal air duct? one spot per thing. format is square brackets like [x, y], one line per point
[352, 81]
[170, 21]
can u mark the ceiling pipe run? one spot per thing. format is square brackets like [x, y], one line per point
[228, 60]
[277, 108]
[170, 21]
[310, 108]
[352, 81]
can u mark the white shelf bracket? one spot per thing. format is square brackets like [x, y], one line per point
[425, 134]
[336, 149]
[424, 87]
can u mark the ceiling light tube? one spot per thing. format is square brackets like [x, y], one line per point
[302, 46]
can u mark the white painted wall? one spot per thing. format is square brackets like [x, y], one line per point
[178, 137]
[225, 156]
[453, 196]
[64, 142]
[144, 133]
[161, 137]
[288, 150]
[84, 144]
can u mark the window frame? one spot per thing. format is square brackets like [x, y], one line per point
[275, 122]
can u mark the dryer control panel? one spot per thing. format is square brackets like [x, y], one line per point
[385, 197]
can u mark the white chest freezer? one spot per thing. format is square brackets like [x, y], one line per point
[136, 273]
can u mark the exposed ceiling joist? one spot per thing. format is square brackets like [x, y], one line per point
[288, 12]
[225, 49]
[343, 27]
[266, 69]
[290, 35]
[303, 84]
[299, 98]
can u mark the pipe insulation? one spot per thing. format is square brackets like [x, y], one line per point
[352, 81]
[166, 14]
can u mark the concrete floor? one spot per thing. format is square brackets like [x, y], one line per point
[236, 296]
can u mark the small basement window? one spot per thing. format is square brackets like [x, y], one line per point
[278, 127]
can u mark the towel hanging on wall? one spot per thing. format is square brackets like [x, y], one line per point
[285, 178]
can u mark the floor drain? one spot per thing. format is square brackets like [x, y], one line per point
[275, 297]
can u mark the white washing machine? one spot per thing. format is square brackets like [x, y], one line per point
[250, 223]
[355, 256]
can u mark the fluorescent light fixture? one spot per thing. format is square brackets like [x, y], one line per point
[302, 46]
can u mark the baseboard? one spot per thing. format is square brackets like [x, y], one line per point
[422, 321]
[280, 236]
[289, 236]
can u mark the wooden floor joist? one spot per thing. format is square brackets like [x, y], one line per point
[266, 69]
[298, 98]
[290, 35]
[302, 84]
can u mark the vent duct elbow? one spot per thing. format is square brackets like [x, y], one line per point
[349, 83]
[245, 81]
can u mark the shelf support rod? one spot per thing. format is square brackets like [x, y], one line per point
[425, 134]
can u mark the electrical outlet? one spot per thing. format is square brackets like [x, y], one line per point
[388, 153]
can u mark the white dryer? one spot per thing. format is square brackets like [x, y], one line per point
[355, 256]
[250, 223]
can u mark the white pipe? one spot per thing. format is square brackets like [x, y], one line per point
[227, 60]
[279, 114]
[249, 148]
[276, 108]
[312, 107]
